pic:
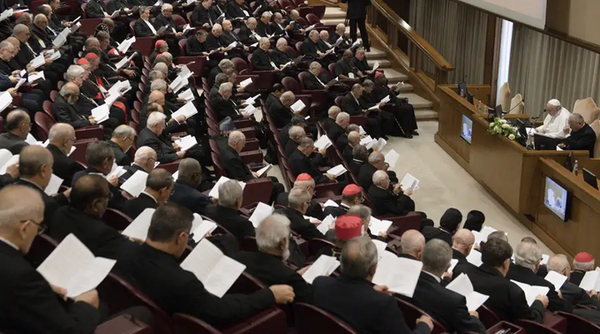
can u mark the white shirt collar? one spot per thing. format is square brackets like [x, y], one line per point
[147, 194]
[9, 243]
[439, 280]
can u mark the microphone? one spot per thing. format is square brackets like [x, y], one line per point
[540, 115]
[516, 105]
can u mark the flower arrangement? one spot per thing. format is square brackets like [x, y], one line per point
[501, 127]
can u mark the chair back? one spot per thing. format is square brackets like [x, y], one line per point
[291, 51]
[81, 146]
[171, 167]
[412, 313]
[41, 247]
[240, 64]
[331, 68]
[312, 19]
[182, 43]
[186, 324]
[53, 95]
[188, 15]
[596, 127]
[577, 324]
[47, 107]
[588, 109]
[144, 45]
[246, 284]
[291, 85]
[299, 46]
[116, 219]
[315, 245]
[504, 97]
[532, 327]
[338, 101]
[248, 244]
[43, 123]
[517, 105]
[178, 20]
[311, 319]
[285, 4]
[487, 317]
[257, 190]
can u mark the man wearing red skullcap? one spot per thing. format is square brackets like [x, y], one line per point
[582, 263]
[305, 182]
[159, 47]
[351, 195]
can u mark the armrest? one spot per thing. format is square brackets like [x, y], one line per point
[123, 324]
[251, 157]
[401, 224]
[94, 131]
[328, 189]
[270, 321]
[243, 123]
[252, 144]
[249, 132]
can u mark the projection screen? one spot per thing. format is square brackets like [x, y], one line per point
[529, 12]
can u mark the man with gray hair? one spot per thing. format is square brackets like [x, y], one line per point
[582, 136]
[159, 186]
[298, 201]
[225, 66]
[121, 141]
[248, 34]
[223, 105]
[446, 306]
[267, 265]
[332, 114]
[61, 139]
[296, 135]
[305, 182]
[354, 138]
[280, 111]
[413, 243]
[284, 133]
[226, 212]
[569, 291]
[350, 295]
[153, 136]
[310, 47]
[375, 162]
[144, 160]
[355, 106]
[64, 108]
[301, 163]
[394, 202]
[527, 262]
[18, 125]
[186, 191]
[556, 123]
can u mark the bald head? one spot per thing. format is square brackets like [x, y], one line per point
[353, 138]
[18, 218]
[17, 122]
[560, 264]
[237, 140]
[146, 158]
[190, 172]
[156, 96]
[14, 41]
[33, 160]
[412, 242]
[90, 194]
[463, 241]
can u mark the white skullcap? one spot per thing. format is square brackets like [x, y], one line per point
[554, 102]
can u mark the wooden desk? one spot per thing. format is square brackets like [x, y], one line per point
[510, 172]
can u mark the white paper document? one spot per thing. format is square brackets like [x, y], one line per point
[136, 183]
[7, 160]
[138, 228]
[214, 192]
[409, 182]
[200, 227]
[380, 144]
[31, 139]
[116, 170]
[186, 95]
[323, 142]
[453, 264]
[330, 203]
[33, 77]
[324, 266]
[381, 246]
[123, 47]
[591, 281]
[377, 226]
[337, 170]
[5, 100]
[392, 158]
[54, 185]
[215, 270]
[474, 258]
[298, 106]
[326, 224]
[556, 279]
[188, 110]
[251, 100]
[101, 113]
[462, 285]
[375, 65]
[185, 143]
[73, 267]
[400, 275]
[261, 212]
[361, 130]
[531, 291]
[38, 61]
[368, 142]
[263, 170]
[246, 83]
[56, 55]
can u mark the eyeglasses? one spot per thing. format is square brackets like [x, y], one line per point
[41, 226]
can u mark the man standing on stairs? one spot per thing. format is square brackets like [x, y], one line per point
[356, 15]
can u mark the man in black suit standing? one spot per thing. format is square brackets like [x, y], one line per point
[144, 160]
[267, 265]
[28, 303]
[446, 306]
[185, 192]
[507, 300]
[62, 137]
[449, 224]
[352, 297]
[170, 287]
[159, 186]
[298, 202]
[226, 213]
[301, 163]
[121, 141]
[462, 245]
[18, 125]
[388, 202]
[356, 14]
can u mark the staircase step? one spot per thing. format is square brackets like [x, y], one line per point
[333, 21]
[417, 101]
[425, 114]
[334, 13]
[376, 53]
[383, 63]
[406, 88]
[394, 76]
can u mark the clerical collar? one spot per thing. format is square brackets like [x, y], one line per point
[344, 205]
[147, 194]
[9, 243]
[438, 279]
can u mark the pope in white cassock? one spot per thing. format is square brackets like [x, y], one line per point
[556, 124]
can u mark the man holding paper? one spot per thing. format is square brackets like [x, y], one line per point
[157, 189]
[28, 304]
[403, 111]
[305, 182]
[346, 70]
[176, 290]
[301, 163]
[262, 61]
[280, 111]
[352, 297]
[61, 139]
[571, 292]
[446, 306]
[375, 162]
[227, 211]
[353, 106]
[462, 245]
[389, 202]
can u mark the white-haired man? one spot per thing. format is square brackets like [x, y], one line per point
[121, 141]
[248, 34]
[412, 243]
[144, 160]
[569, 291]
[389, 202]
[152, 136]
[61, 138]
[582, 136]
[556, 123]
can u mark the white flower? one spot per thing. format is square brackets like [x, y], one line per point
[497, 128]
[503, 121]
[511, 137]
[506, 126]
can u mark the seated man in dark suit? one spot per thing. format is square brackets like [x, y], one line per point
[570, 292]
[238, 9]
[144, 160]
[35, 169]
[201, 15]
[338, 128]
[413, 243]
[375, 162]
[153, 136]
[267, 265]
[507, 300]
[224, 106]
[449, 224]
[159, 186]
[360, 155]
[310, 48]
[196, 44]
[121, 141]
[332, 113]
[263, 61]
[280, 111]
[226, 213]
[352, 297]
[304, 182]
[65, 110]
[284, 133]
[298, 202]
[388, 202]
[25, 294]
[295, 135]
[274, 96]
[582, 137]
[446, 306]
[143, 27]
[462, 245]
[89, 199]
[353, 141]
[18, 125]
[352, 104]
[170, 287]
[582, 263]
[186, 191]
[351, 195]
[301, 163]
[248, 34]
[345, 68]
[527, 262]
[61, 138]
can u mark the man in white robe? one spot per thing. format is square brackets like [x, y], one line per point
[556, 123]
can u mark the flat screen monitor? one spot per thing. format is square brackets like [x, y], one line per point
[590, 178]
[467, 129]
[544, 143]
[570, 162]
[556, 198]
[470, 98]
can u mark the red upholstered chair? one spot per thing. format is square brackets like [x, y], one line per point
[577, 324]
[188, 15]
[94, 131]
[299, 46]
[181, 44]
[119, 295]
[507, 325]
[265, 81]
[186, 324]
[401, 224]
[88, 26]
[132, 28]
[257, 190]
[43, 123]
[47, 107]
[487, 317]
[311, 319]
[291, 85]
[178, 20]
[239, 64]
[412, 313]
[144, 45]
[80, 148]
[303, 22]
[116, 219]
[172, 166]
[123, 324]
[41, 247]
[286, 4]
[532, 327]
[313, 19]
[53, 95]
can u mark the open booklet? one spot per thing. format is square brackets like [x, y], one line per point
[263, 170]
[392, 158]
[400, 275]
[136, 183]
[245, 83]
[298, 106]
[188, 110]
[556, 279]
[323, 142]
[115, 170]
[101, 113]
[377, 226]
[123, 47]
[261, 211]
[531, 291]
[337, 171]
[410, 182]
[213, 268]
[324, 266]
[73, 267]
[186, 95]
[214, 192]
[7, 159]
[326, 224]
[54, 185]
[591, 280]
[138, 228]
[185, 143]
[475, 258]
[462, 285]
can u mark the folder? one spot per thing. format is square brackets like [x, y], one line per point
[556, 279]
[330, 203]
[214, 192]
[263, 170]
[200, 227]
[246, 83]
[33, 77]
[138, 228]
[7, 159]
[324, 266]
[188, 110]
[261, 212]
[136, 183]
[187, 95]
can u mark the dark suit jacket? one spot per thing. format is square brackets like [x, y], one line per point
[343, 67]
[576, 277]
[300, 163]
[28, 304]
[262, 60]
[224, 108]
[95, 9]
[201, 16]
[446, 306]
[280, 57]
[357, 9]
[12, 142]
[24, 56]
[134, 207]
[284, 134]
[355, 166]
[584, 139]
[309, 49]
[117, 200]
[302, 226]
[358, 304]
[234, 10]
[228, 37]
[51, 203]
[212, 43]
[101, 239]
[577, 296]
[430, 232]
[463, 266]
[280, 114]
[193, 47]
[121, 158]
[162, 21]
[163, 147]
[314, 208]
[176, 290]
[350, 106]
[347, 153]
[310, 82]
[335, 132]
[335, 211]
[66, 113]
[272, 98]
[246, 36]
[507, 300]
[235, 168]
[271, 270]
[142, 29]
[388, 203]
[290, 148]
[231, 220]
[189, 197]
[43, 35]
[365, 175]
[527, 276]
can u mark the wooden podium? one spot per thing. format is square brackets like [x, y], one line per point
[516, 176]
